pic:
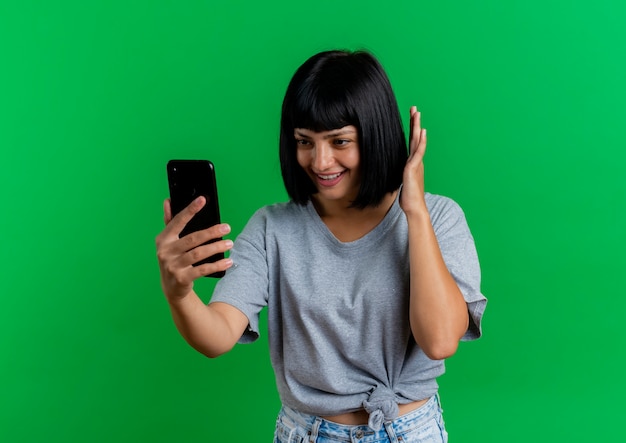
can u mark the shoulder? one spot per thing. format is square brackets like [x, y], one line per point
[274, 218]
[439, 205]
[277, 213]
[445, 214]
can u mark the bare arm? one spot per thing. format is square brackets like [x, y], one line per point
[438, 312]
[213, 329]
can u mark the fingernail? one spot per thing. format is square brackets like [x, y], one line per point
[225, 228]
[229, 244]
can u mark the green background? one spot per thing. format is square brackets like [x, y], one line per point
[524, 104]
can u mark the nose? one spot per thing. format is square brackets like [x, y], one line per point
[322, 156]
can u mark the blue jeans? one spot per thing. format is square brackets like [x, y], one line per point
[423, 425]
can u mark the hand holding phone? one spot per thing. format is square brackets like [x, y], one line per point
[188, 180]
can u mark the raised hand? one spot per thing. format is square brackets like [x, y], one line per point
[412, 197]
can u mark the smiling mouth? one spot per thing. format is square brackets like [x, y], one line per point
[330, 176]
[330, 180]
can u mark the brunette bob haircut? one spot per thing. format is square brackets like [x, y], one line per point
[334, 89]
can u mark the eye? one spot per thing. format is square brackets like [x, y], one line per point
[300, 142]
[341, 142]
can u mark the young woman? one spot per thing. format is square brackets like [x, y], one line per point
[369, 282]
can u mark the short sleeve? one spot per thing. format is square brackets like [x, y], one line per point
[459, 253]
[245, 285]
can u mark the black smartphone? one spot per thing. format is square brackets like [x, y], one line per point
[189, 179]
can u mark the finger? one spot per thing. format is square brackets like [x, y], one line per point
[167, 211]
[178, 223]
[205, 251]
[195, 239]
[418, 154]
[421, 147]
[212, 268]
[167, 217]
[416, 130]
[412, 112]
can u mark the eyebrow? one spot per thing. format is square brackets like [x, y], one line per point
[330, 135]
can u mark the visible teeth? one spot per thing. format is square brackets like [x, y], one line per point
[329, 177]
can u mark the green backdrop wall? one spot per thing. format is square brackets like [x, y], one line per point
[524, 103]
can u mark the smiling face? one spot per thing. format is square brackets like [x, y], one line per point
[331, 160]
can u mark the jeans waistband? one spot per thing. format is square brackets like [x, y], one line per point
[315, 425]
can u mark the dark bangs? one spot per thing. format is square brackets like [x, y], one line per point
[323, 103]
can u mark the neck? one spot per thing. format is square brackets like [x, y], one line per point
[349, 224]
[341, 210]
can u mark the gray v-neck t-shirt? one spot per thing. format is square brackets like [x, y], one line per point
[338, 326]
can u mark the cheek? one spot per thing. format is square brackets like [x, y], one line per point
[352, 160]
[303, 157]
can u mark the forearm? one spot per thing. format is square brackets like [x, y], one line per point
[210, 329]
[438, 312]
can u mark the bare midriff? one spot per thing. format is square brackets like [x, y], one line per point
[360, 417]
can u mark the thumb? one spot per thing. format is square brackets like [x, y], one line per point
[167, 211]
